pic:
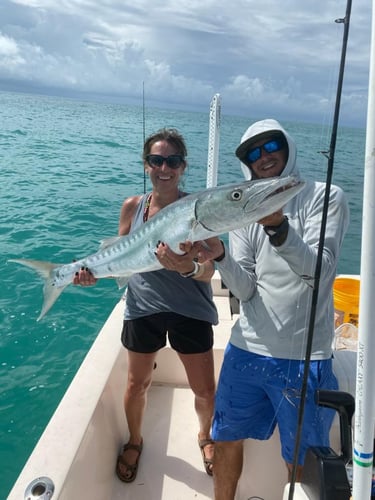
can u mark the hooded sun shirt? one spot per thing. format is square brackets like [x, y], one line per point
[275, 284]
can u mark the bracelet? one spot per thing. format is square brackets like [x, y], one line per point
[193, 272]
[221, 257]
[200, 272]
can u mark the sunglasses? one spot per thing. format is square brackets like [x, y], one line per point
[269, 147]
[172, 161]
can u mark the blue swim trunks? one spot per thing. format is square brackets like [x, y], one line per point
[257, 392]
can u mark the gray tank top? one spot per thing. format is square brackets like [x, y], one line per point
[167, 291]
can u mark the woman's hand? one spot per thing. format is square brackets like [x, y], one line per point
[84, 277]
[177, 262]
[185, 263]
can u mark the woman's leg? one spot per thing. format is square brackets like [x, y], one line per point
[140, 368]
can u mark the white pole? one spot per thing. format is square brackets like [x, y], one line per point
[213, 141]
[364, 418]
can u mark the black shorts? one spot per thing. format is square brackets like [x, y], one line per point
[149, 333]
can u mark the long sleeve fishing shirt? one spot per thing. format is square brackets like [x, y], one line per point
[275, 284]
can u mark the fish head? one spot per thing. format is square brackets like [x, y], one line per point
[232, 206]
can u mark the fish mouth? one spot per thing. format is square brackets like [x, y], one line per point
[282, 189]
[294, 183]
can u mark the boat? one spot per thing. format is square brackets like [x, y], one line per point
[76, 455]
[77, 452]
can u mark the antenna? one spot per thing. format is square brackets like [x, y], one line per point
[213, 141]
[144, 132]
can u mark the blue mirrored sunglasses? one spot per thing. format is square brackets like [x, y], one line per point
[269, 147]
[172, 161]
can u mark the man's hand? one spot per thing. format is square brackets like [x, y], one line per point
[210, 249]
[274, 219]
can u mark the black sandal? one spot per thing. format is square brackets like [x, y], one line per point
[207, 462]
[131, 469]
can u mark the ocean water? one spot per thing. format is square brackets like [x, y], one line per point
[66, 166]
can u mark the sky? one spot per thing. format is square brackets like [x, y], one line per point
[266, 58]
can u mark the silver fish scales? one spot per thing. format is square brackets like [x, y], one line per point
[195, 217]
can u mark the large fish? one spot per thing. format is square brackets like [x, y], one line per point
[195, 217]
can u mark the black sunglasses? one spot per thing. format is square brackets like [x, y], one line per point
[269, 147]
[172, 161]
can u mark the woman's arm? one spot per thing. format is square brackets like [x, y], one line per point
[84, 277]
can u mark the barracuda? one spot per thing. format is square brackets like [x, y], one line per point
[195, 217]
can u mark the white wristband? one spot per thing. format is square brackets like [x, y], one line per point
[192, 273]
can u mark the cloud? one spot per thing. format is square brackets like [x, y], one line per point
[270, 57]
[10, 58]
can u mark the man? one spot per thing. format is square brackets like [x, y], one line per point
[270, 269]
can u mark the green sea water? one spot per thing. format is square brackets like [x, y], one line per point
[65, 168]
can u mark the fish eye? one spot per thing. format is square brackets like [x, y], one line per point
[236, 195]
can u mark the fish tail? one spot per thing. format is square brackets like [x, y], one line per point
[46, 271]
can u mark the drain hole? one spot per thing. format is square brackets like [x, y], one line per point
[39, 489]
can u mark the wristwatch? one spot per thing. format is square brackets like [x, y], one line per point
[221, 257]
[278, 233]
[273, 230]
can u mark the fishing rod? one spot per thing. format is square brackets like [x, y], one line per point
[144, 132]
[330, 155]
[363, 449]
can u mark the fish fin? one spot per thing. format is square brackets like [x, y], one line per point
[45, 270]
[191, 236]
[108, 242]
[122, 281]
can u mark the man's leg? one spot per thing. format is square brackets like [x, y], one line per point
[228, 461]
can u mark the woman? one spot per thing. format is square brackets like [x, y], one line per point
[176, 300]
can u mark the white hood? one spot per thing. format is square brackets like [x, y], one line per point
[265, 127]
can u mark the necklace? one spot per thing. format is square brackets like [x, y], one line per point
[147, 207]
[146, 210]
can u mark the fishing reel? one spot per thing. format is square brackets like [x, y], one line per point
[324, 475]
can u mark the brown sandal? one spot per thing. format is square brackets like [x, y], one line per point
[207, 462]
[131, 469]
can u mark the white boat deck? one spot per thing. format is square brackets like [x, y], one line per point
[78, 449]
[171, 467]
[171, 464]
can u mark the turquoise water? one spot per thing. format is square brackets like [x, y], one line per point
[66, 166]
